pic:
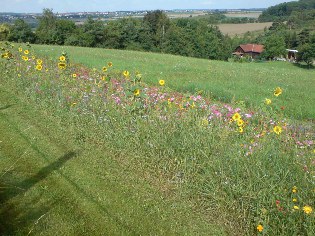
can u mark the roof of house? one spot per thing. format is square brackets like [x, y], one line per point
[258, 48]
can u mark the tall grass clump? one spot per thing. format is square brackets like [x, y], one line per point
[250, 170]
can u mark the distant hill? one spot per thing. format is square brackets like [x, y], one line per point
[284, 10]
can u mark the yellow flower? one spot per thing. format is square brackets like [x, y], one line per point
[62, 65]
[62, 58]
[296, 208]
[294, 189]
[20, 49]
[25, 58]
[277, 129]
[161, 82]
[26, 52]
[33, 57]
[240, 129]
[136, 92]
[204, 122]
[240, 122]
[294, 200]
[5, 55]
[236, 117]
[260, 228]
[39, 61]
[74, 75]
[268, 101]
[307, 209]
[110, 64]
[277, 91]
[39, 67]
[126, 73]
[104, 69]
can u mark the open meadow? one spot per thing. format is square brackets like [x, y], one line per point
[109, 142]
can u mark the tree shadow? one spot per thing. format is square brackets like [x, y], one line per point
[10, 216]
[304, 66]
[6, 107]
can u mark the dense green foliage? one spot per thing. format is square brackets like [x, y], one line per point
[283, 11]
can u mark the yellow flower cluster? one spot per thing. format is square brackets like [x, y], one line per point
[62, 63]
[239, 121]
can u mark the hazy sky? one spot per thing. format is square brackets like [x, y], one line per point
[34, 6]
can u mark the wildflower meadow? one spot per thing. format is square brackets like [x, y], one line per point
[249, 171]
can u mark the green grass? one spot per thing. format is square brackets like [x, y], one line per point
[53, 185]
[75, 162]
[223, 81]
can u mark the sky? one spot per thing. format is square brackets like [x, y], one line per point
[61, 6]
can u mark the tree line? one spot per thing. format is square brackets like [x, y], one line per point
[155, 32]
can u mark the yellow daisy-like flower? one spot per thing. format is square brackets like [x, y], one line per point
[236, 117]
[62, 65]
[204, 122]
[5, 55]
[104, 69]
[62, 58]
[25, 58]
[110, 64]
[126, 73]
[33, 57]
[294, 200]
[39, 67]
[161, 82]
[260, 228]
[136, 92]
[26, 52]
[240, 129]
[20, 49]
[277, 91]
[39, 61]
[294, 189]
[240, 122]
[277, 129]
[296, 208]
[307, 209]
[268, 101]
[74, 75]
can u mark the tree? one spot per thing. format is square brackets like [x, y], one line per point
[4, 32]
[274, 47]
[46, 29]
[21, 32]
[306, 53]
[158, 23]
[64, 28]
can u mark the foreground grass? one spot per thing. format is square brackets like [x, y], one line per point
[52, 184]
[223, 81]
[161, 153]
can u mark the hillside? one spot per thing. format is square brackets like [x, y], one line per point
[282, 11]
[220, 81]
[128, 144]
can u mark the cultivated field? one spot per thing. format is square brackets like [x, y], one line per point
[248, 14]
[107, 142]
[238, 29]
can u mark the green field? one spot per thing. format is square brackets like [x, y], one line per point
[88, 151]
[223, 81]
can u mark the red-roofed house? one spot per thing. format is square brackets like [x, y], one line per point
[251, 50]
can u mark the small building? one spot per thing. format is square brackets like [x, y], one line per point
[249, 50]
[291, 56]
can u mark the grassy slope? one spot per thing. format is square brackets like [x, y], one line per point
[51, 185]
[225, 81]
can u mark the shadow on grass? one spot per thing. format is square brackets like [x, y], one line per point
[10, 218]
[304, 66]
[6, 107]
